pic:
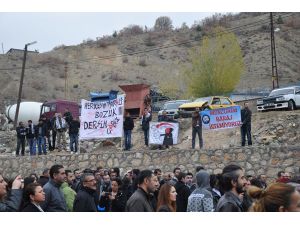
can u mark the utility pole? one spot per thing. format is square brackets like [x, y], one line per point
[66, 78]
[2, 48]
[275, 80]
[21, 84]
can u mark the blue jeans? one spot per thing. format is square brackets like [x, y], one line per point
[127, 134]
[41, 145]
[20, 144]
[73, 139]
[32, 146]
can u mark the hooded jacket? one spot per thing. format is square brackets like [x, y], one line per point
[201, 199]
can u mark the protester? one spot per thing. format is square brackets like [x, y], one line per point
[55, 201]
[246, 124]
[128, 126]
[233, 184]
[60, 126]
[31, 138]
[166, 199]
[85, 198]
[140, 200]
[74, 126]
[278, 197]
[201, 199]
[33, 196]
[10, 202]
[146, 118]
[69, 193]
[40, 133]
[21, 134]
[183, 193]
[44, 178]
[114, 201]
[196, 128]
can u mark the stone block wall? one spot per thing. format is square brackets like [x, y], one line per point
[255, 160]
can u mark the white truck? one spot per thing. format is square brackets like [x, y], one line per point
[281, 98]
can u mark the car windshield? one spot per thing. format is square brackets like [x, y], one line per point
[281, 92]
[174, 105]
[205, 99]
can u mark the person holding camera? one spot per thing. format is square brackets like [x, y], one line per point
[11, 202]
[115, 200]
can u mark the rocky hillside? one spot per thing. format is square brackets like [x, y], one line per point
[139, 56]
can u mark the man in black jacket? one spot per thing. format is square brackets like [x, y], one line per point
[234, 184]
[183, 193]
[128, 126]
[246, 124]
[30, 138]
[21, 134]
[85, 198]
[140, 201]
[74, 126]
[146, 118]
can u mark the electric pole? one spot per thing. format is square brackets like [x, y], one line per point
[21, 84]
[66, 78]
[275, 80]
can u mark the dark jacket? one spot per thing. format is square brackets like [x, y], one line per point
[74, 126]
[145, 122]
[165, 118]
[68, 117]
[116, 205]
[30, 208]
[128, 123]
[43, 180]
[164, 208]
[139, 202]
[30, 131]
[21, 132]
[40, 127]
[229, 202]
[196, 120]
[85, 201]
[13, 202]
[55, 201]
[183, 193]
[246, 117]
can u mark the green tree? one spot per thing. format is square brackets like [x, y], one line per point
[216, 66]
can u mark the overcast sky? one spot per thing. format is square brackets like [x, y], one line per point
[53, 29]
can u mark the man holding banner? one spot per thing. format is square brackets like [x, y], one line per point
[246, 124]
[197, 128]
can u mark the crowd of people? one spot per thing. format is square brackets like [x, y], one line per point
[48, 130]
[105, 190]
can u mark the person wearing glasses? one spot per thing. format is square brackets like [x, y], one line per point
[85, 198]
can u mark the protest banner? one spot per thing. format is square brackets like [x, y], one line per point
[102, 119]
[223, 118]
[163, 133]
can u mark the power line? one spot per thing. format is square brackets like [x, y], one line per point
[160, 47]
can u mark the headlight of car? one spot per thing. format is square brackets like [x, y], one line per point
[280, 99]
[259, 102]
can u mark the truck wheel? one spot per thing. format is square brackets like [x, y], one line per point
[291, 105]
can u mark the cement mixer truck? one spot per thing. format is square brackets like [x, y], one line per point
[34, 110]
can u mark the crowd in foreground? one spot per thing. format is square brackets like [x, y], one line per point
[104, 190]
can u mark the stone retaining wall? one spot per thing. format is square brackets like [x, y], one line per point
[255, 160]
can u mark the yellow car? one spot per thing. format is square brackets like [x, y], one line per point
[213, 102]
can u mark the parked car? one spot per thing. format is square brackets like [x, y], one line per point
[281, 98]
[171, 107]
[212, 102]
